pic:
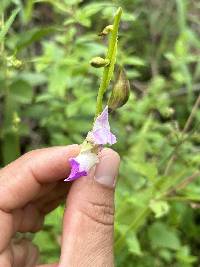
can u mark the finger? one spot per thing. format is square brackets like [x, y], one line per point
[88, 221]
[60, 190]
[6, 258]
[45, 190]
[53, 205]
[48, 265]
[31, 219]
[25, 254]
[6, 230]
[21, 180]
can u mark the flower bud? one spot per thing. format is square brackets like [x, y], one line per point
[99, 62]
[106, 30]
[120, 92]
[12, 61]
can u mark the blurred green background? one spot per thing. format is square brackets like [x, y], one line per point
[47, 98]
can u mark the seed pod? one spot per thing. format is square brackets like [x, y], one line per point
[106, 30]
[99, 62]
[120, 92]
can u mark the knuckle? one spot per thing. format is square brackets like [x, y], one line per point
[100, 213]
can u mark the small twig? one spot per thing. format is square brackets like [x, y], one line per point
[170, 162]
[192, 115]
[185, 129]
[183, 91]
[183, 184]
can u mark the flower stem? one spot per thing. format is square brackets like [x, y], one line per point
[185, 129]
[144, 212]
[111, 56]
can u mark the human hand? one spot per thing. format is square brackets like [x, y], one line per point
[32, 186]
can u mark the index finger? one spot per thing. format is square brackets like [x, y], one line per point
[21, 180]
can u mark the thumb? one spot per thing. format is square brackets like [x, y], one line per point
[89, 218]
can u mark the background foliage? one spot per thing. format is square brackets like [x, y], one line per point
[47, 97]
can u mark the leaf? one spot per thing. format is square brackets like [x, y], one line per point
[55, 87]
[28, 10]
[148, 170]
[21, 91]
[33, 35]
[160, 208]
[184, 256]
[33, 78]
[161, 236]
[8, 24]
[135, 61]
[129, 16]
[134, 244]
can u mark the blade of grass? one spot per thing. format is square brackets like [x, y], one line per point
[8, 24]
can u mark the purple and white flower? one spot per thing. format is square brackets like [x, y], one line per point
[81, 165]
[87, 158]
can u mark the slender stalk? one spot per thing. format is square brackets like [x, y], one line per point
[2, 26]
[185, 129]
[184, 183]
[10, 142]
[132, 227]
[192, 115]
[111, 56]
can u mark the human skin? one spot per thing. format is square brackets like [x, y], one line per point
[33, 186]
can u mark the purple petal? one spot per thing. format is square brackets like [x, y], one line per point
[101, 134]
[103, 137]
[102, 120]
[81, 165]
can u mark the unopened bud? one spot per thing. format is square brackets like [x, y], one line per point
[99, 62]
[106, 30]
[16, 118]
[168, 112]
[12, 61]
[120, 92]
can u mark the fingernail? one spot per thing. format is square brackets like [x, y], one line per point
[107, 169]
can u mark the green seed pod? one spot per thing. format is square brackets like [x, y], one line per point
[106, 30]
[99, 62]
[120, 92]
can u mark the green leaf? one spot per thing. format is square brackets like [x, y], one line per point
[33, 35]
[135, 61]
[160, 208]
[148, 170]
[55, 87]
[8, 24]
[134, 244]
[21, 91]
[184, 256]
[129, 16]
[161, 236]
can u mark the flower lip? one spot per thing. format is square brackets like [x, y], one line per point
[81, 165]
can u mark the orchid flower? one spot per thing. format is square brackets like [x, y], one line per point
[88, 156]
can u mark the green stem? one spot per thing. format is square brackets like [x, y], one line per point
[10, 142]
[111, 56]
[132, 227]
[2, 26]
[185, 129]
